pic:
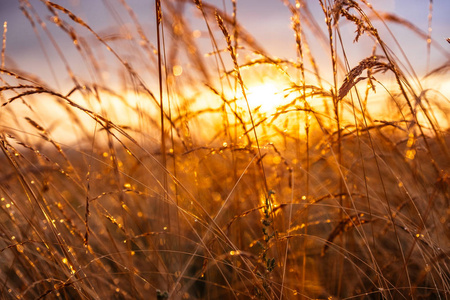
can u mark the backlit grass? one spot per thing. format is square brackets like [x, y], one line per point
[171, 156]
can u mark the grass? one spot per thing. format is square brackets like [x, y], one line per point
[165, 180]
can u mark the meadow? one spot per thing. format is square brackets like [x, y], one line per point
[173, 157]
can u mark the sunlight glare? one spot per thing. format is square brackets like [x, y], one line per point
[264, 98]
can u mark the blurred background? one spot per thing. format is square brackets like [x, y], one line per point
[268, 21]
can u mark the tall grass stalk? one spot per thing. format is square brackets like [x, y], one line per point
[148, 165]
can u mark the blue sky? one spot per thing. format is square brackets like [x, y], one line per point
[267, 20]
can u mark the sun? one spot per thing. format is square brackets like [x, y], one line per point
[264, 97]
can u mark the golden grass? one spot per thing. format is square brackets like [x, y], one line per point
[169, 188]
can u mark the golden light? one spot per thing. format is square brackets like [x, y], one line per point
[177, 70]
[264, 98]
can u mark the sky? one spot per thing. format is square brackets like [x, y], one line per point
[268, 21]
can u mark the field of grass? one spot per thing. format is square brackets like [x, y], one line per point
[173, 157]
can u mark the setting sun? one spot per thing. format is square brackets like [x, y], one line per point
[265, 98]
